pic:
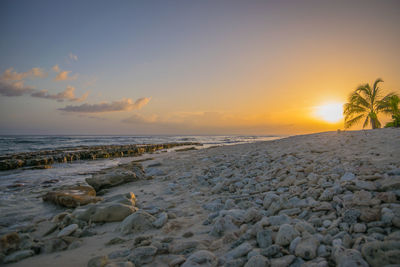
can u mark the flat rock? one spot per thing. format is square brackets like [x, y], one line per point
[116, 176]
[72, 196]
[239, 251]
[142, 255]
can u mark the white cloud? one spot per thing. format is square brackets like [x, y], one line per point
[126, 104]
[68, 94]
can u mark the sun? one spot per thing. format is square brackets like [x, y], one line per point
[332, 112]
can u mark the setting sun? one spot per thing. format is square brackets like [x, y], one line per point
[332, 112]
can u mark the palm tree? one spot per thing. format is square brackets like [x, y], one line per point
[365, 103]
[390, 105]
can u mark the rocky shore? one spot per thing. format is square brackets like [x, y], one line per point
[326, 199]
[44, 159]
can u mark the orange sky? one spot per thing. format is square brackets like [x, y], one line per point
[208, 68]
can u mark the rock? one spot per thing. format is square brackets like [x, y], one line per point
[68, 230]
[348, 257]
[350, 216]
[279, 219]
[366, 185]
[389, 183]
[318, 262]
[239, 251]
[176, 261]
[293, 244]
[286, 234]
[264, 238]
[359, 228]
[327, 195]
[55, 244]
[142, 255]
[18, 255]
[222, 226]
[270, 251]
[282, 261]
[379, 253]
[179, 247]
[258, 261]
[9, 242]
[100, 261]
[370, 214]
[119, 254]
[387, 197]
[201, 258]
[348, 176]
[116, 176]
[72, 196]
[104, 212]
[136, 222]
[161, 220]
[307, 248]
[304, 226]
[120, 264]
[126, 199]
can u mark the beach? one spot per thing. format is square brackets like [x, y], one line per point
[322, 199]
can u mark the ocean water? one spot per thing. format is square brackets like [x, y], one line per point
[21, 189]
[27, 143]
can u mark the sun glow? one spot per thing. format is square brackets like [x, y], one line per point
[332, 112]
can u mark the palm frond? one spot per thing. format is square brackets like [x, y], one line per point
[350, 122]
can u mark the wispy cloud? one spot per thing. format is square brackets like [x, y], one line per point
[11, 75]
[56, 68]
[14, 89]
[63, 75]
[68, 94]
[126, 104]
[73, 57]
[140, 119]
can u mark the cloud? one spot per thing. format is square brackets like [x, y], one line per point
[56, 68]
[64, 76]
[126, 104]
[68, 94]
[14, 89]
[140, 119]
[73, 57]
[11, 75]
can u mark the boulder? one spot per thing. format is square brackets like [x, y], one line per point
[116, 176]
[136, 222]
[264, 238]
[72, 196]
[348, 257]
[239, 251]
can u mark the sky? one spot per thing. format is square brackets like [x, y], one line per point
[189, 67]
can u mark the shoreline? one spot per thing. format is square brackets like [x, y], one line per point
[324, 198]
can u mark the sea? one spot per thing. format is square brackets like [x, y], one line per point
[21, 189]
